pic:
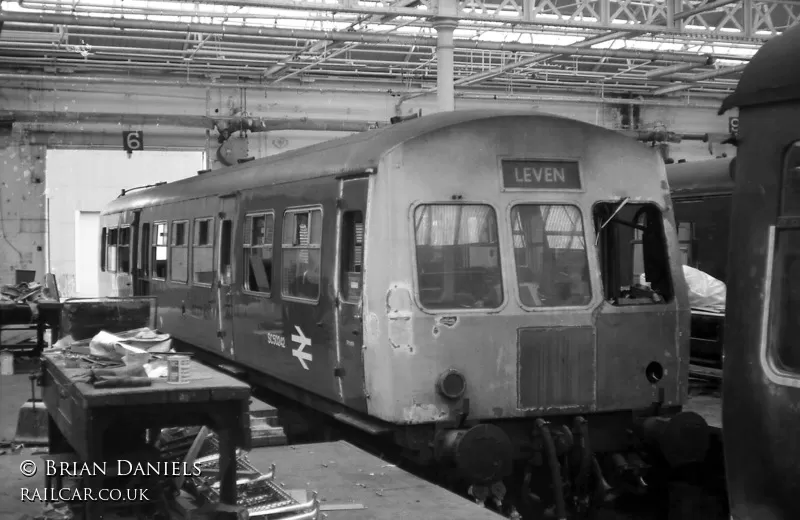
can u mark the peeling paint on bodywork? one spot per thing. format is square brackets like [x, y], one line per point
[447, 321]
[373, 326]
[399, 313]
[421, 413]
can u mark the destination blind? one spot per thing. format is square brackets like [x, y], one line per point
[541, 175]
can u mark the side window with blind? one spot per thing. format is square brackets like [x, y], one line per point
[179, 252]
[203, 251]
[159, 250]
[352, 255]
[259, 231]
[111, 250]
[301, 249]
[124, 249]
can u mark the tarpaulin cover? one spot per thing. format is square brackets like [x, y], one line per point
[705, 291]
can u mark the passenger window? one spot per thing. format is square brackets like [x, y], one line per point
[124, 249]
[786, 270]
[632, 275]
[179, 252]
[352, 255]
[144, 247]
[111, 247]
[103, 234]
[258, 237]
[550, 255]
[302, 239]
[458, 256]
[159, 251]
[203, 252]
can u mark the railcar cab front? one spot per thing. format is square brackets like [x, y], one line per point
[544, 281]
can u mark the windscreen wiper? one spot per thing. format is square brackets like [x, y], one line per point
[619, 208]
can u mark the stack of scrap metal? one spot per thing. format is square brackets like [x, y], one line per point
[21, 293]
[258, 492]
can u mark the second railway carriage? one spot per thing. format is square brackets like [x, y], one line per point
[761, 371]
[701, 195]
[467, 282]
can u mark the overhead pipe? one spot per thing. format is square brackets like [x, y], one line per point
[702, 9]
[673, 69]
[690, 81]
[390, 89]
[360, 37]
[233, 123]
[482, 76]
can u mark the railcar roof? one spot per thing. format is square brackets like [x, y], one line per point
[712, 176]
[772, 76]
[351, 154]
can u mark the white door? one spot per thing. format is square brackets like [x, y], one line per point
[87, 245]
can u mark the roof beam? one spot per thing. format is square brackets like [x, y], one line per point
[344, 36]
[640, 17]
[710, 6]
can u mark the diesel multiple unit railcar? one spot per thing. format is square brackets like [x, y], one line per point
[466, 282]
[761, 371]
[701, 195]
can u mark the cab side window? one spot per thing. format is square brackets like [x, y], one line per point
[352, 256]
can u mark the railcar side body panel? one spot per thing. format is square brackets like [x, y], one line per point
[761, 368]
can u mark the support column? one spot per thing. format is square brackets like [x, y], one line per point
[444, 61]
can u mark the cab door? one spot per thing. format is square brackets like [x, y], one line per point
[225, 273]
[352, 211]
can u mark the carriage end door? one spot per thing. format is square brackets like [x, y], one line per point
[352, 211]
[225, 274]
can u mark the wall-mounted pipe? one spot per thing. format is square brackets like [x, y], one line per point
[360, 37]
[253, 124]
[691, 80]
[672, 69]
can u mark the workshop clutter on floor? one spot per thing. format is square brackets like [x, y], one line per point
[259, 493]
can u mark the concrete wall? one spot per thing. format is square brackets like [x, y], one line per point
[22, 211]
[79, 180]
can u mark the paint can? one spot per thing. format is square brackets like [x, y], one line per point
[7, 363]
[178, 369]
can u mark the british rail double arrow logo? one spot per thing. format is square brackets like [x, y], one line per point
[302, 342]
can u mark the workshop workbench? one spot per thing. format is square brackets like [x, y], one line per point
[80, 415]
